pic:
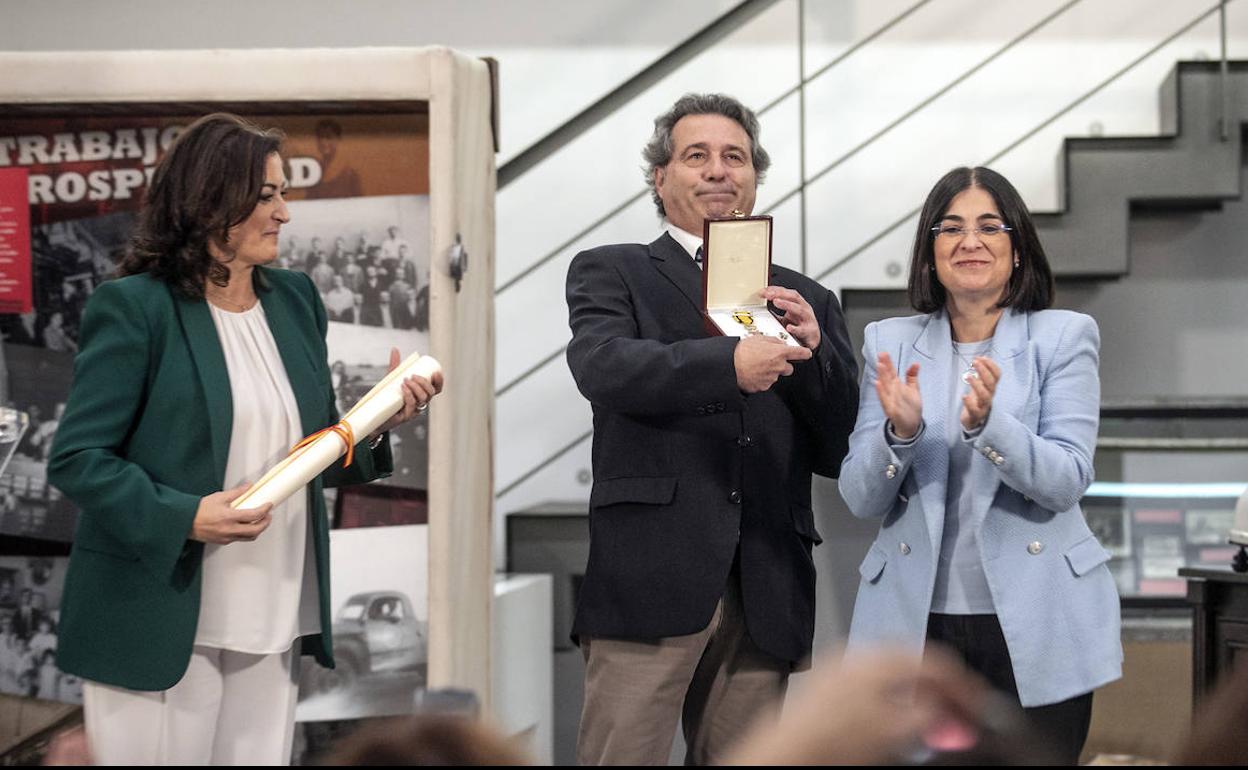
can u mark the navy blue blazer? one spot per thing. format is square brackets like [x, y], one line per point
[689, 472]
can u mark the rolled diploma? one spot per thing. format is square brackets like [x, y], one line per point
[306, 463]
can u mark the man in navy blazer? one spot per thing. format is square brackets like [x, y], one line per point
[698, 597]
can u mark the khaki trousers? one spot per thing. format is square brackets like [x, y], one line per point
[716, 681]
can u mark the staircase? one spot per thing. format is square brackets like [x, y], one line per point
[1189, 166]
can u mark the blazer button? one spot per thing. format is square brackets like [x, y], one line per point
[890, 471]
[701, 410]
[1035, 547]
[745, 441]
[719, 406]
[904, 548]
[735, 496]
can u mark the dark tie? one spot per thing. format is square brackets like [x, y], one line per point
[697, 257]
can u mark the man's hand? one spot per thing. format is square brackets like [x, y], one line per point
[799, 317]
[760, 361]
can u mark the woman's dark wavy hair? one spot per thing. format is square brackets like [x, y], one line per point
[208, 182]
[1031, 283]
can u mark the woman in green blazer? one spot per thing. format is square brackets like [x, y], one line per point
[197, 368]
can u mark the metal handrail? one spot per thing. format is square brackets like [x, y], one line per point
[1029, 134]
[927, 102]
[531, 472]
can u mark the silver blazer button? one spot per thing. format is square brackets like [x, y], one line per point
[904, 548]
[1035, 547]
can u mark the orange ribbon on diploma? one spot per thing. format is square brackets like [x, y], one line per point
[314, 454]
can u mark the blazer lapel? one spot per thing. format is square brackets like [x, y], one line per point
[292, 343]
[933, 349]
[214, 377]
[677, 266]
[1008, 343]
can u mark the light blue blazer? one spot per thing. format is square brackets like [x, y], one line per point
[1052, 590]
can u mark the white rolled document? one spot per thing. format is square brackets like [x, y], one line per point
[319, 451]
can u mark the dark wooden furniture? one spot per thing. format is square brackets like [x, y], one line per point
[1219, 600]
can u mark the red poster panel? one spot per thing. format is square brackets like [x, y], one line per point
[15, 287]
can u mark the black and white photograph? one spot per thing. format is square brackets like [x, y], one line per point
[70, 258]
[13, 426]
[38, 383]
[381, 627]
[30, 600]
[1210, 527]
[1112, 527]
[369, 257]
[1161, 556]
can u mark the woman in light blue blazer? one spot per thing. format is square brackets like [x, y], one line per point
[973, 446]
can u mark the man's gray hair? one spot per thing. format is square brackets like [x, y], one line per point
[658, 151]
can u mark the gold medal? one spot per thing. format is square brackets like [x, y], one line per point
[746, 319]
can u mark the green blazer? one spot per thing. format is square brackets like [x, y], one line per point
[145, 435]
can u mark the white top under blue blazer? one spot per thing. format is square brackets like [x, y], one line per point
[1050, 585]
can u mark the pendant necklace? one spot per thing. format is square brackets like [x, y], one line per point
[969, 362]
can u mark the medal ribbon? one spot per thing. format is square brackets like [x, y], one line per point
[343, 431]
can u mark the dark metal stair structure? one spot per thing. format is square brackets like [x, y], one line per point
[1188, 166]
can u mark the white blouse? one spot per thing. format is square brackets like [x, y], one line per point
[259, 596]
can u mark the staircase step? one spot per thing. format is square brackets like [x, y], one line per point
[1104, 178]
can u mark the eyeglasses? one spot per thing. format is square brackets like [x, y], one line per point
[958, 232]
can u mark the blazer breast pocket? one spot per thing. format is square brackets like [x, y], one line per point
[647, 490]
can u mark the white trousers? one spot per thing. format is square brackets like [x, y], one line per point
[230, 708]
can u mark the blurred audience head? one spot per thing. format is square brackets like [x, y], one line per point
[426, 740]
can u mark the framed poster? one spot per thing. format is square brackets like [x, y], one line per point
[389, 154]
